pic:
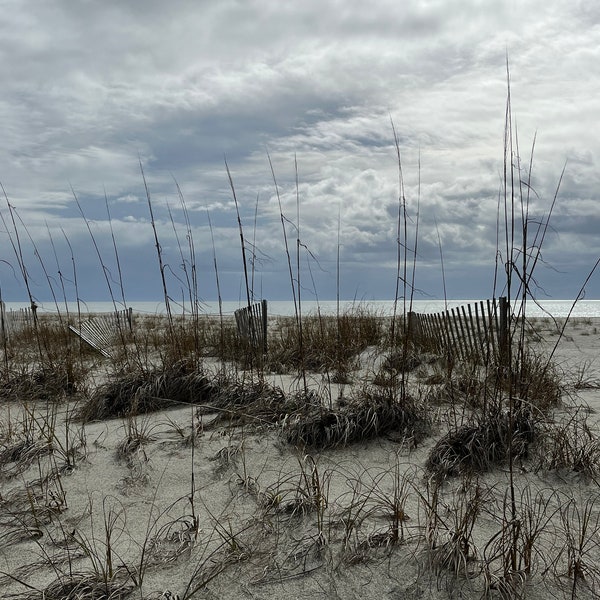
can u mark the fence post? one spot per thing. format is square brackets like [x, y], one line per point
[3, 319]
[414, 327]
[503, 337]
[264, 325]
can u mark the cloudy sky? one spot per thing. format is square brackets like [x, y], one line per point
[92, 88]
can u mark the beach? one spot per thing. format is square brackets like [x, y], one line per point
[242, 492]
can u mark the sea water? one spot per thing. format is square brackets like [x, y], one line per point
[555, 308]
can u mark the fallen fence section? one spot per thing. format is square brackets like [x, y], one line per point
[252, 324]
[475, 331]
[102, 331]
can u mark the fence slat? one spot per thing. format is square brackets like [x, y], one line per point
[460, 334]
[468, 339]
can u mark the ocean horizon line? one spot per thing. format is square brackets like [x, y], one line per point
[558, 308]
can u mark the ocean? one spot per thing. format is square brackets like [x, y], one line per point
[556, 308]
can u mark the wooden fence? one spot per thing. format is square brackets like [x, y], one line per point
[13, 321]
[102, 331]
[474, 331]
[252, 324]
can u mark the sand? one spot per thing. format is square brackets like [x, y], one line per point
[212, 511]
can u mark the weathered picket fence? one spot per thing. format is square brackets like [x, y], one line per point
[13, 321]
[478, 331]
[252, 324]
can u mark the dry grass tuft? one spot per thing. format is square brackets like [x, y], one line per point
[536, 380]
[568, 444]
[479, 447]
[248, 400]
[82, 586]
[42, 383]
[140, 393]
[372, 415]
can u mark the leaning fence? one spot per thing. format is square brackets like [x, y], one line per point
[101, 331]
[477, 331]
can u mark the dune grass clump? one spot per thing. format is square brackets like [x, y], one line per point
[255, 401]
[82, 586]
[371, 415]
[139, 393]
[476, 448]
[37, 383]
[18, 455]
[568, 444]
[535, 379]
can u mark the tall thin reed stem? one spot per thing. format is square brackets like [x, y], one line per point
[161, 265]
[299, 287]
[216, 267]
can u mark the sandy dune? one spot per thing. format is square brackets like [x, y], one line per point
[177, 502]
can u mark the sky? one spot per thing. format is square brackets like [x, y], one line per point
[303, 102]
